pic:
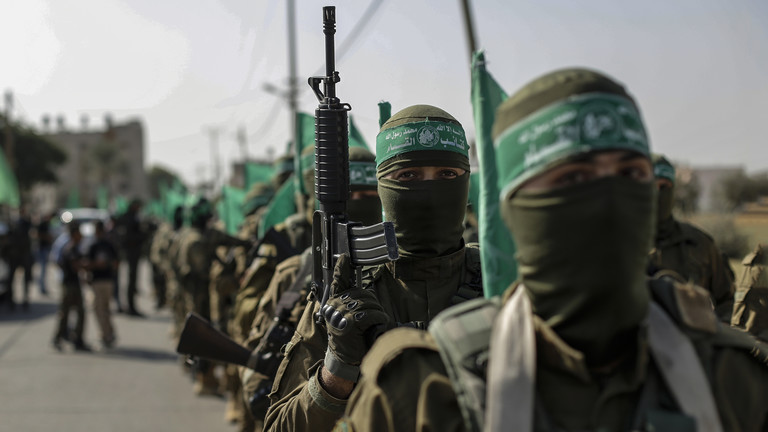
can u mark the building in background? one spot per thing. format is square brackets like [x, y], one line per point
[105, 162]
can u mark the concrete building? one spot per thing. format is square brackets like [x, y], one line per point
[111, 158]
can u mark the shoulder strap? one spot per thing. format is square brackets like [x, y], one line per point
[676, 358]
[512, 367]
[686, 303]
[463, 333]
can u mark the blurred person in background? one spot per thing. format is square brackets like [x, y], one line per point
[131, 234]
[21, 244]
[71, 262]
[686, 249]
[103, 262]
[44, 243]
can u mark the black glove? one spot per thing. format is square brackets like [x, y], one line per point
[351, 315]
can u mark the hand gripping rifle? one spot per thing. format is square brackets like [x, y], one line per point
[332, 233]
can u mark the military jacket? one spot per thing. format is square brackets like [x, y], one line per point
[405, 385]
[750, 310]
[692, 254]
[411, 291]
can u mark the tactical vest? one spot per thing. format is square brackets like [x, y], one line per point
[501, 395]
[471, 286]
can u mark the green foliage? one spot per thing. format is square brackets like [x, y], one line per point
[740, 188]
[35, 157]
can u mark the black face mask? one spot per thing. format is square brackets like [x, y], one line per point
[582, 254]
[666, 203]
[428, 215]
[366, 210]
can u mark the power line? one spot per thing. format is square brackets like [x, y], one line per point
[344, 47]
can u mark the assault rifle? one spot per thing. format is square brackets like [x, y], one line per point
[332, 233]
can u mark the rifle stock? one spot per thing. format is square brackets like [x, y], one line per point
[201, 339]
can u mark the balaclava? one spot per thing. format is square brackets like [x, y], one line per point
[581, 249]
[662, 168]
[200, 214]
[428, 215]
[362, 177]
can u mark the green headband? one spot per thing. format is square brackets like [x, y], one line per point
[362, 174]
[421, 135]
[575, 125]
[662, 168]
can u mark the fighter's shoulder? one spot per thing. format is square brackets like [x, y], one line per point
[691, 309]
[696, 234]
[395, 344]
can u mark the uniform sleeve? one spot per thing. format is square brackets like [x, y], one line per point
[410, 393]
[298, 402]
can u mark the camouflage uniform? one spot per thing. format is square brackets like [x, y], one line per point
[158, 257]
[750, 311]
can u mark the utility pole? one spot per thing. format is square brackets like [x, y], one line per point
[242, 141]
[469, 27]
[213, 135]
[292, 90]
[9, 144]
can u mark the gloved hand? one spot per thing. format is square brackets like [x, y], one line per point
[351, 315]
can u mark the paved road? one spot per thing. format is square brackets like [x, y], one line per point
[137, 386]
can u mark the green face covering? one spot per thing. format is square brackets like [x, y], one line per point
[428, 215]
[666, 202]
[366, 210]
[582, 253]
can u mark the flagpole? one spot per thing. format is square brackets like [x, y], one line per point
[469, 28]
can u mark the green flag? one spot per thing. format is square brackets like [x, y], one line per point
[102, 197]
[385, 112]
[281, 206]
[73, 199]
[257, 173]
[9, 187]
[121, 205]
[229, 208]
[355, 137]
[171, 198]
[474, 191]
[497, 250]
[305, 134]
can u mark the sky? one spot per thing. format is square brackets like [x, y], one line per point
[192, 70]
